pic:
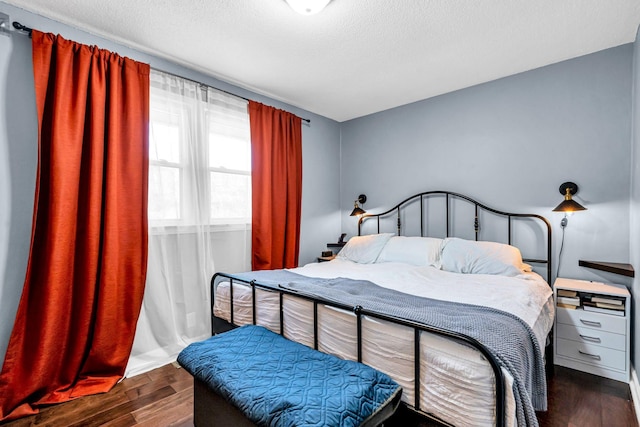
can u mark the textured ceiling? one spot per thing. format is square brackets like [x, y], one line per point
[357, 56]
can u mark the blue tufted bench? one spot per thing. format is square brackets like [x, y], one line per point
[271, 381]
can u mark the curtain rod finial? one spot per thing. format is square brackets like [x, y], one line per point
[20, 27]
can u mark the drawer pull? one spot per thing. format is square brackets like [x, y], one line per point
[588, 338]
[591, 323]
[593, 356]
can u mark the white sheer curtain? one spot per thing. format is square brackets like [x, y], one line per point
[199, 212]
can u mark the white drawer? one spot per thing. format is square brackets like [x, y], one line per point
[589, 319]
[591, 336]
[592, 354]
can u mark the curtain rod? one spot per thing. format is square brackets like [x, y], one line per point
[19, 26]
[221, 90]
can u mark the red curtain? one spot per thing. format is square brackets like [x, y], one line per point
[276, 179]
[86, 272]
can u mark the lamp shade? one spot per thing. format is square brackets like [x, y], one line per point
[357, 210]
[568, 189]
[569, 205]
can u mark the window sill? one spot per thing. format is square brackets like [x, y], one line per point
[192, 229]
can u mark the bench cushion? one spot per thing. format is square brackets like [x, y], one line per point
[274, 381]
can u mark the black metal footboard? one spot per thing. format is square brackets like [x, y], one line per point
[217, 323]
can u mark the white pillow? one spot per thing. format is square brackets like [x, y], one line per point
[421, 251]
[364, 249]
[468, 256]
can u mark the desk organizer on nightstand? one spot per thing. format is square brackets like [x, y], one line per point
[592, 327]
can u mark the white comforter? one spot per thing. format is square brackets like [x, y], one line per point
[527, 296]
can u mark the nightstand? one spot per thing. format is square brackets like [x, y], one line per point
[592, 327]
[335, 248]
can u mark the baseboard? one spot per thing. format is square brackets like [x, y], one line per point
[634, 385]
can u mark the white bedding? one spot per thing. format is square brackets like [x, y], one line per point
[457, 382]
[525, 296]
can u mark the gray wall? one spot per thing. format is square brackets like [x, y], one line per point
[510, 144]
[635, 194]
[18, 157]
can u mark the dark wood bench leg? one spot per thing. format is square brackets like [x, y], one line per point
[211, 410]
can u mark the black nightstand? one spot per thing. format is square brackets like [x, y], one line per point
[335, 248]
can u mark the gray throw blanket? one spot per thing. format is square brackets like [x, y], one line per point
[505, 335]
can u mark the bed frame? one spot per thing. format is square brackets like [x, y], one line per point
[451, 222]
[448, 199]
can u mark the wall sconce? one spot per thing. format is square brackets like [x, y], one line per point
[568, 189]
[357, 210]
[308, 7]
[568, 206]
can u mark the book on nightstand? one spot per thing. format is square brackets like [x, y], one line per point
[596, 307]
[610, 306]
[567, 293]
[569, 306]
[607, 300]
[569, 300]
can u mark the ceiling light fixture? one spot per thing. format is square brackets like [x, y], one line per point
[308, 7]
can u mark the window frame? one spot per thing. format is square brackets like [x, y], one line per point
[198, 168]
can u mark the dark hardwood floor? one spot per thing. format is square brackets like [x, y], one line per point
[163, 397]
[578, 399]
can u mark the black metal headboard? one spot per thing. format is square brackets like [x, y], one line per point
[448, 198]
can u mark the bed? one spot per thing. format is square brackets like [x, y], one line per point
[453, 368]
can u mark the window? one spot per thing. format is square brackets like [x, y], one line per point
[165, 168]
[199, 155]
[229, 165]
